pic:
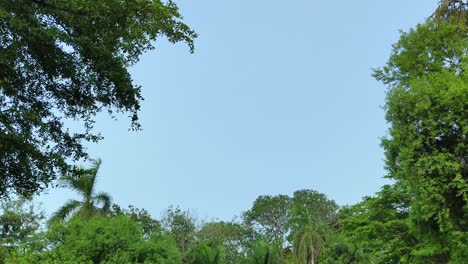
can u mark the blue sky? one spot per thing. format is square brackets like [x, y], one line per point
[277, 97]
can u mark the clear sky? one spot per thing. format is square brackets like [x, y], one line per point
[277, 97]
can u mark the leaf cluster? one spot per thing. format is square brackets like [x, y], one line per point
[66, 61]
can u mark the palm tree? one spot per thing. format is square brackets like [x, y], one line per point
[204, 254]
[308, 245]
[83, 181]
[264, 253]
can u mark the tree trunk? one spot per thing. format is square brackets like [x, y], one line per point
[312, 255]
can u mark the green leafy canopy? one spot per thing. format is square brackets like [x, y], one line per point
[68, 60]
[425, 149]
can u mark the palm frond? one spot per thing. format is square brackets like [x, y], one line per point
[307, 244]
[76, 179]
[65, 211]
[93, 171]
[263, 253]
[83, 180]
[105, 199]
[88, 210]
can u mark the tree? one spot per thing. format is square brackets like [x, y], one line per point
[264, 253]
[311, 217]
[375, 230]
[204, 254]
[269, 216]
[426, 146]
[108, 240]
[308, 244]
[19, 222]
[181, 225]
[68, 60]
[83, 181]
[231, 236]
[450, 9]
[141, 216]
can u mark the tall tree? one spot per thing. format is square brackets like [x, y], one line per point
[269, 216]
[231, 236]
[83, 181]
[426, 146]
[308, 244]
[311, 217]
[68, 60]
[181, 225]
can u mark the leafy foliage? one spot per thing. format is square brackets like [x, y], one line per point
[232, 237]
[269, 215]
[311, 218]
[263, 253]
[204, 254]
[141, 216]
[83, 181]
[375, 230]
[308, 245]
[110, 240]
[181, 225]
[426, 148]
[68, 60]
[19, 223]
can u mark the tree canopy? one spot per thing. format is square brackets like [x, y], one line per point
[425, 149]
[68, 60]
[269, 215]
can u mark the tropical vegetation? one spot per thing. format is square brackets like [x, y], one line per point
[51, 49]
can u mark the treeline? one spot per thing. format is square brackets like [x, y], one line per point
[277, 229]
[305, 228]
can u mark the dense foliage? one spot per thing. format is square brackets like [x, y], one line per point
[83, 182]
[426, 149]
[19, 222]
[423, 216]
[68, 60]
[133, 236]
